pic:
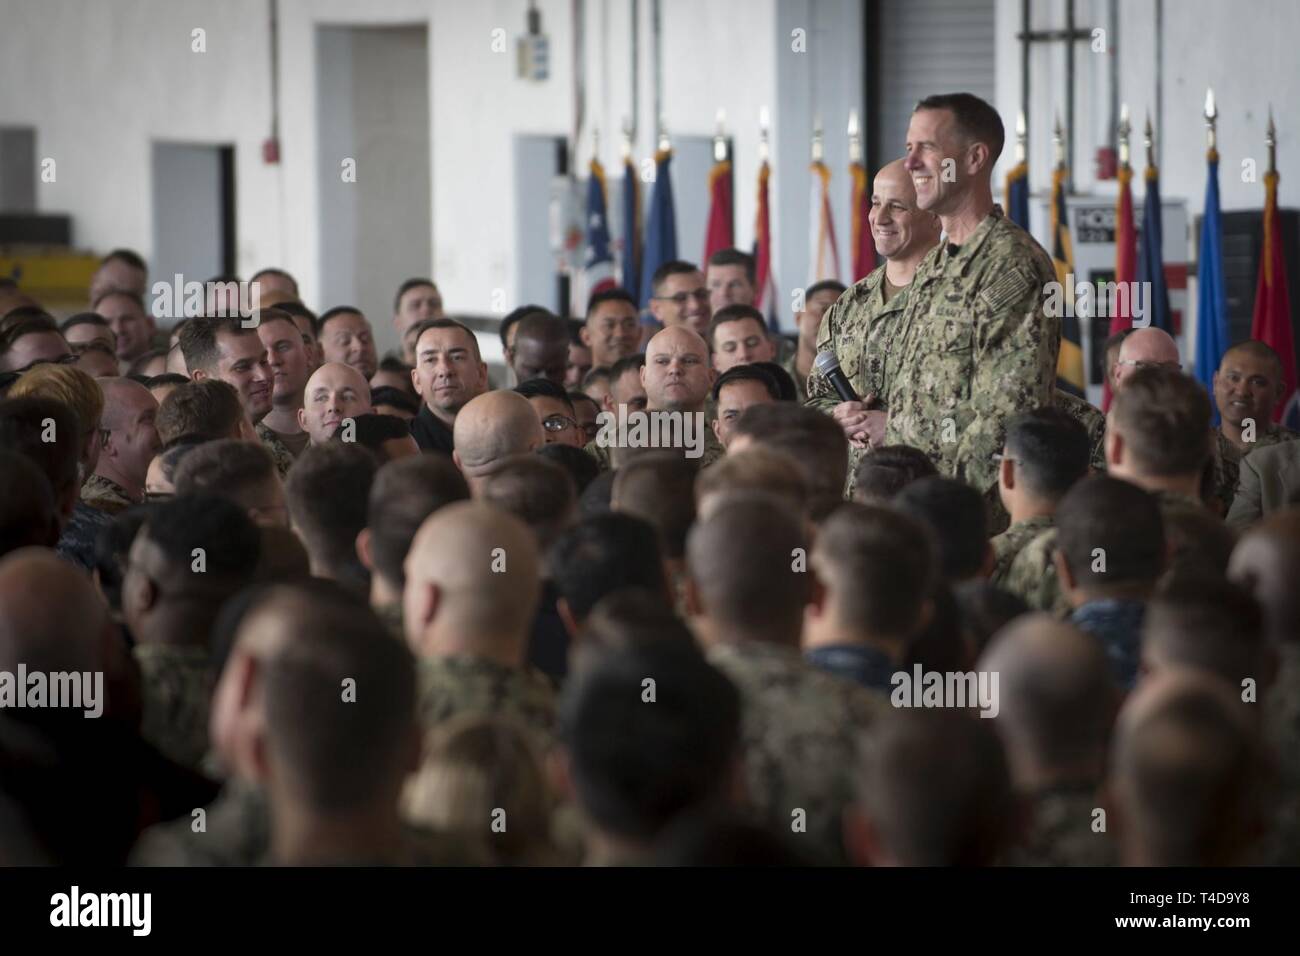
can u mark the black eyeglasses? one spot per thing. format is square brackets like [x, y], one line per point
[558, 423]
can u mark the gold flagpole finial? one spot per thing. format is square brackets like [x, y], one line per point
[1058, 142]
[763, 123]
[665, 144]
[720, 137]
[1022, 136]
[1124, 129]
[1211, 115]
[627, 139]
[817, 139]
[595, 143]
[1148, 140]
[855, 138]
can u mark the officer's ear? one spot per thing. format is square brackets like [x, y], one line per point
[1007, 474]
[1114, 445]
[977, 158]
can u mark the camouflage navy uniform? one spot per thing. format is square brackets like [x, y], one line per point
[104, 494]
[1032, 575]
[1007, 545]
[237, 832]
[800, 729]
[1060, 831]
[176, 688]
[1227, 460]
[1093, 421]
[77, 542]
[977, 346]
[465, 684]
[862, 329]
[1282, 731]
[280, 453]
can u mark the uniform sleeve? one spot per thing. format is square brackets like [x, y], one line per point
[1247, 504]
[820, 394]
[1016, 344]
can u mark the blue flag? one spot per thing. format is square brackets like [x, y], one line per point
[1212, 300]
[1017, 190]
[631, 226]
[1151, 267]
[598, 265]
[661, 232]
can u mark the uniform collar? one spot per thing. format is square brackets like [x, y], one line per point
[955, 264]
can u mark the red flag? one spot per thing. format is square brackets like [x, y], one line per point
[1272, 320]
[719, 234]
[1125, 267]
[864, 250]
[763, 246]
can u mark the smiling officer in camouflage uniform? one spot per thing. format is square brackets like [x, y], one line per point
[864, 324]
[977, 342]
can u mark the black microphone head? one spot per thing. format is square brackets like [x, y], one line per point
[826, 362]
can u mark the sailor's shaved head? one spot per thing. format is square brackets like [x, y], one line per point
[491, 428]
[472, 582]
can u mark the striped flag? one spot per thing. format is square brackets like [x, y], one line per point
[864, 250]
[1271, 323]
[661, 232]
[598, 263]
[631, 225]
[764, 281]
[1212, 298]
[1069, 364]
[719, 234]
[1016, 193]
[824, 254]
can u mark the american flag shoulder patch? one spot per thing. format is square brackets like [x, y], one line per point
[1009, 287]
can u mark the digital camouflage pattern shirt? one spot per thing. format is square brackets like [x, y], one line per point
[1008, 545]
[176, 690]
[800, 728]
[862, 329]
[978, 345]
[466, 684]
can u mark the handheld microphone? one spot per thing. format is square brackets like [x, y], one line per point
[829, 365]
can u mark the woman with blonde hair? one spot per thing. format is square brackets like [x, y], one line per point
[482, 778]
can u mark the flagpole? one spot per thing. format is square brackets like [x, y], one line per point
[1149, 142]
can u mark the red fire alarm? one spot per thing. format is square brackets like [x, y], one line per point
[271, 151]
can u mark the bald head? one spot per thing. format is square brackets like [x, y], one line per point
[472, 582]
[334, 392]
[1267, 563]
[491, 428]
[899, 229]
[1150, 346]
[1185, 773]
[1057, 704]
[676, 374]
[51, 618]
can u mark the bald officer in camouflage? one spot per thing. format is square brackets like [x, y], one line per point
[863, 324]
[978, 343]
